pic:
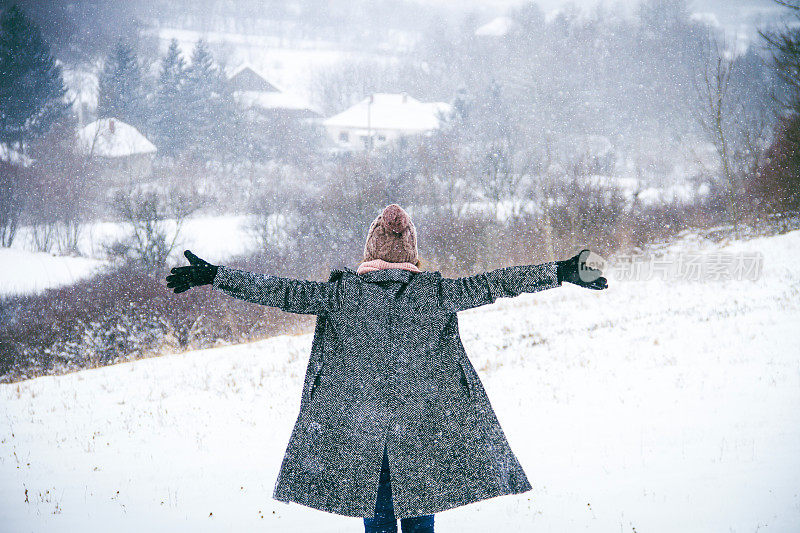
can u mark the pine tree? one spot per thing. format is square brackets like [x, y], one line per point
[778, 183]
[210, 103]
[31, 87]
[170, 114]
[121, 91]
[660, 17]
[785, 48]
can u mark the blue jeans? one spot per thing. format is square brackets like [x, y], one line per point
[384, 520]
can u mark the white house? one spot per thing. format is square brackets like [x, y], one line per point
[382, 118]
[14, 157]
[123, 152]
[254, 94]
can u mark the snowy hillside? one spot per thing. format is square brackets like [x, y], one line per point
[215, 238]
[654, 406]
[26, 272]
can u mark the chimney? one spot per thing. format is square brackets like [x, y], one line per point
[405, 98]
[111, 126]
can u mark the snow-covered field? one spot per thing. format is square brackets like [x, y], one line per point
[26, 272]
[214, 238]
[654, 406]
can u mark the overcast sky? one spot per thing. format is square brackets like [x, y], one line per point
[727, 11]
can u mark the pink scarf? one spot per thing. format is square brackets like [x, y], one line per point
[378, 264]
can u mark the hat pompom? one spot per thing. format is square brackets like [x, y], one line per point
[395, 219]
[392, 237]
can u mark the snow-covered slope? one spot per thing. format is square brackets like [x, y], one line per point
[25, 272]
[214, 238]
[657, 405]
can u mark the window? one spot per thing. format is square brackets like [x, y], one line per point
[381, 138]
[344, 137]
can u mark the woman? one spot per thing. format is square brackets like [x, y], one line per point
[394, 421]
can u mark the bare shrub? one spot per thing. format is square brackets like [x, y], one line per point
[124, 314]
[60, 184]
[329, 225]
[155, 218]
[774, 186]
[271, 198]
[444, 174]
[456, 244]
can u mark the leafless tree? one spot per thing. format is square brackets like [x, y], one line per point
[714, 109]
[503, 170]
[444, 171]
[270, 208]
[155, 218]
[57, 198]
[341, 85]
[13, 191]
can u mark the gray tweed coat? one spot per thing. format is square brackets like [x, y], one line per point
[387, 368]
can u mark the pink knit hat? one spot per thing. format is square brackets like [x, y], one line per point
[392, 237]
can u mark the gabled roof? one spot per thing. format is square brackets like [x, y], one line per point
[252, 90]
[247, 78]
[386, 111]
[110, 137]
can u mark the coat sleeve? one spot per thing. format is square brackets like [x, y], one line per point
[291, 295]
[458, 294]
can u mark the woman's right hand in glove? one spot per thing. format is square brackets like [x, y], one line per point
[575, 270]
[198, 273]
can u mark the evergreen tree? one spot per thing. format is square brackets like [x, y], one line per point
[121, 91]
[170, 115]
[461, 105]
[209, 102]
[778, 183]
[785, 48]
[31, 87]
[663, 17]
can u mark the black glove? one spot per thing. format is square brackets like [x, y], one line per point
[574, 270]
[199, 273]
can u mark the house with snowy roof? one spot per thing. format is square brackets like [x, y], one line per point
[13, 157]
[120, 150]
[383, 118]
[263, 99]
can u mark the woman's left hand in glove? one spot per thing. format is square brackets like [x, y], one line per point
[199, 272]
